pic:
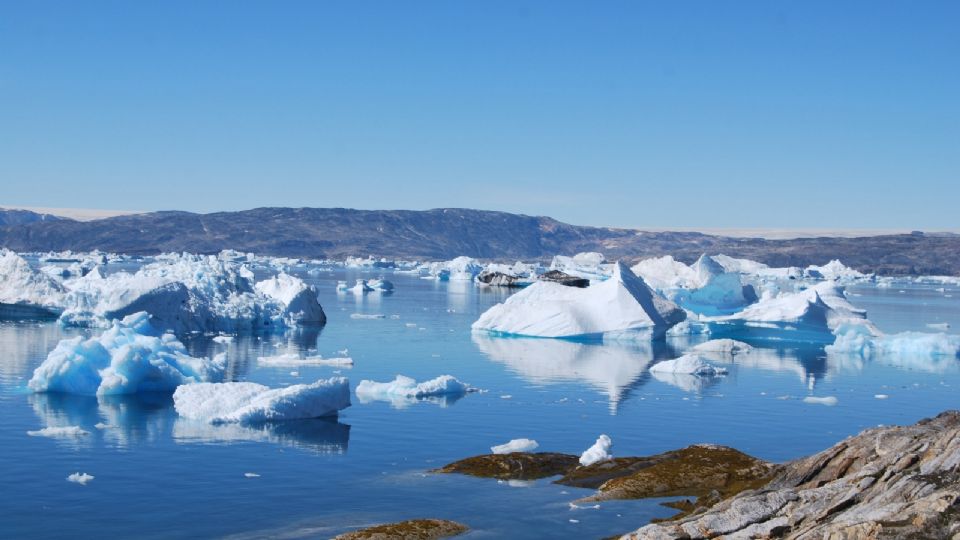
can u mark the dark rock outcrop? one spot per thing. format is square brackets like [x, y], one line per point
[513, 466]
[556, 276]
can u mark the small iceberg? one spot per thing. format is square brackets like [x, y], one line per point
[61, 432]
[251, 403]
[690, 364]
[80, 478]
[125, 359]
[600, 451]
[859, 340]
[404, 390]
[515, 445]
[728, 347]
[299, 300]
[287, 360]
[621, 307]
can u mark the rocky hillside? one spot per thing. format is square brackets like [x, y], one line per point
[447, 233]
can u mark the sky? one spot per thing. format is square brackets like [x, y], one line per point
[769, 114]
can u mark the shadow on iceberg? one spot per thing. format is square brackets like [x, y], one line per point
[323, 435]
[613, 369]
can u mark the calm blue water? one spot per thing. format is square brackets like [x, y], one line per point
[160, 476]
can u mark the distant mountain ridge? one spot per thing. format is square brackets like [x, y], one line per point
[446, 233]
[10, 217]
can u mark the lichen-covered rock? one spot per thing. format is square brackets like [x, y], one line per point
[887, 482]
[414, 529]
[513, 466]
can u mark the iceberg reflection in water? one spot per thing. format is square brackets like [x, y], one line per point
[322, 435]
[123, 421]
[612, 369]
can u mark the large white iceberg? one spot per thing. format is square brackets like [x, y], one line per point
[26, 293]
[664, 273]
[187, 293]
[623, 306]
[252, 403]
[705, 287]
[125, 359]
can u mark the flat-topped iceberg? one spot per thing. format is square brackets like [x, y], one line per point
[128, 358]
[251, 403]
[26, 293]
[404, 391]
[860, 340]
[623, 306]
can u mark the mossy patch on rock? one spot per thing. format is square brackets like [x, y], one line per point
[513, 466]
[414, 529]
[710, 473]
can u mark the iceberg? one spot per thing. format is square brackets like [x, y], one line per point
[408, 387]
[80, 478]
[590, 265]
[688, 364]
[299, 300]
[26, 293]
[600, 451]
[252, 403]
[515, 445]
[125, 359]
[664, 273]
[190, 293]
[859, 340]
[623, 306]
[816, 311]
[722, 346]
[834, 271]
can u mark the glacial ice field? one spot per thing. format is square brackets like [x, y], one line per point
[129, 465]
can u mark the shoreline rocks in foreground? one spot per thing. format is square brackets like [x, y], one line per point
[886, 482]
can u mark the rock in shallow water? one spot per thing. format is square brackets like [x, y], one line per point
[414, 529]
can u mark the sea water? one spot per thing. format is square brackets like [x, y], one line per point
[160, 476]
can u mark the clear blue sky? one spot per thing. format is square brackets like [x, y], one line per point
[671, 114]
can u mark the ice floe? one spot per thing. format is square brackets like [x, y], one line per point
[55, 432]
[80, 478]
[515, 445]
[621, 307]
[405, 390]
[688, 364]
[124, 359]
[251, 403]
[292, 359]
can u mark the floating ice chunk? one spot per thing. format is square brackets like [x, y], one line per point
[829, 401]
[722, 346]
[406, 387]
[623, 306]
[515, 445]
[223, 340]
[61, 432]
[80, 478]
[690, 364]
[600, 451]
[286, 360]
[123, 360]
[26, 293]
[251, 403]
[939, 326]
[854, 339]
[300, 302]
[367, 316]
[380, 285]
[102, 426]
[880, 396]
[251, 475]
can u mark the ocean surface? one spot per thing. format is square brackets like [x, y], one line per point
[159, 476]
